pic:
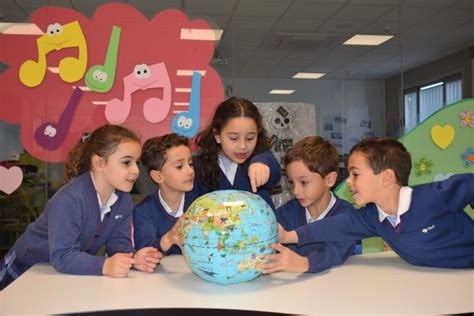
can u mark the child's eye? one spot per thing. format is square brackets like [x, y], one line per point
[233, 139]
[126, 162]
[303, 183]
[250, 138]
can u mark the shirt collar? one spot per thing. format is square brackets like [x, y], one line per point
[168, 209]
[309, 219]
[404, 201]
[107, 207]
[228, 167]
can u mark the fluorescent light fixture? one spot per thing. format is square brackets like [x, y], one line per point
[281, 91]
[181, 103]
[184, 72]
[370, 40]
[20, 29]
[182, 90]
[308, 75]
[432, 85]
[201, 34]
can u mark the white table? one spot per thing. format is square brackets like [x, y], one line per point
[376, 283]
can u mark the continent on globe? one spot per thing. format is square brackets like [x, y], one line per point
[225, 236]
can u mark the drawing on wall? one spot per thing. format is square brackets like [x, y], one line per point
[117, 67]
[286, 123]
[10, 179]
[186, 123]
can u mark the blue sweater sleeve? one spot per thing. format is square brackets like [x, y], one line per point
[120, 240]
[325, 255]
[457, 192]
[145, 231]
[345, 227]
[65, 226]
[321, 255]
[266, 157]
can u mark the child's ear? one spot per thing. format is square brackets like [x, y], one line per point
[389, 177]
[217, 138]
[156, 176]
[97, 162]
[331, 178]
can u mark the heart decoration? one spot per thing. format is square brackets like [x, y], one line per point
[442, 135]
[10, 179]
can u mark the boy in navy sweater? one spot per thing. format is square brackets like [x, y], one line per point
[169, 163]
[311, 165]
[425, 225]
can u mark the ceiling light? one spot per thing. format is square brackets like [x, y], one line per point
[308, 75]
[279, 91]
[201, 34]
[432, 85]
[370, 40]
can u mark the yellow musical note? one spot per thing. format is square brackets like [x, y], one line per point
[57, 37]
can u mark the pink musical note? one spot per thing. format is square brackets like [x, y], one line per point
[143, 77]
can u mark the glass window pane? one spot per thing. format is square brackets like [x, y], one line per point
[411, 115]
[453, 91]
[431, 99]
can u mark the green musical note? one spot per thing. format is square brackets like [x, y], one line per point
[100, 78]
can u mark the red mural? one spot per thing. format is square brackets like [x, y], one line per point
[119, 67]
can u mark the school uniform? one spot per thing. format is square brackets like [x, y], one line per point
[71, 231]
[430, 228]
[321, 255]
[234, 176]
[152, 219]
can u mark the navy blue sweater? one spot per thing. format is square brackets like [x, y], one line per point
[151, 221]
[241, 180]
[69, 233]
[435, 231]
[321, 255]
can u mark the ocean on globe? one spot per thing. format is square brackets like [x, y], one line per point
[226, 234]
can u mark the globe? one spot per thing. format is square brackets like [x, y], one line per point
[226, 234]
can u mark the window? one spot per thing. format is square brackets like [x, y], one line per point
[421, 102]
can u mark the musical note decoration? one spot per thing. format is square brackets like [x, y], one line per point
[187, 123]
[51, 135]
[143, 77]
[100, 78]
[57, 37]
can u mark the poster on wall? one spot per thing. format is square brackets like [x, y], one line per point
[64, 74]
[286, 123]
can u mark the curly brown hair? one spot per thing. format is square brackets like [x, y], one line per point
[154, 153]
[102, 142]
[317, 154]
[209, 149]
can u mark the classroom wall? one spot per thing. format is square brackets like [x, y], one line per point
[461, 62]
[354, 100]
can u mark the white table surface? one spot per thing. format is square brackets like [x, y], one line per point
[376, 283]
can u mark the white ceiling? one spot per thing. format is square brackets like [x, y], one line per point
[277, 38]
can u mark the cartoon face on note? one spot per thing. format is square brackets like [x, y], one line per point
[143, 77]
[57, 37]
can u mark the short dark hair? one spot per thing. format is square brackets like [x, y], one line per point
[319, 155]
[154, 153]
[386, 153]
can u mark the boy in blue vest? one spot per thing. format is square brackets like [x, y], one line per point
[425, 225]
[156, 222]
[311, 165]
